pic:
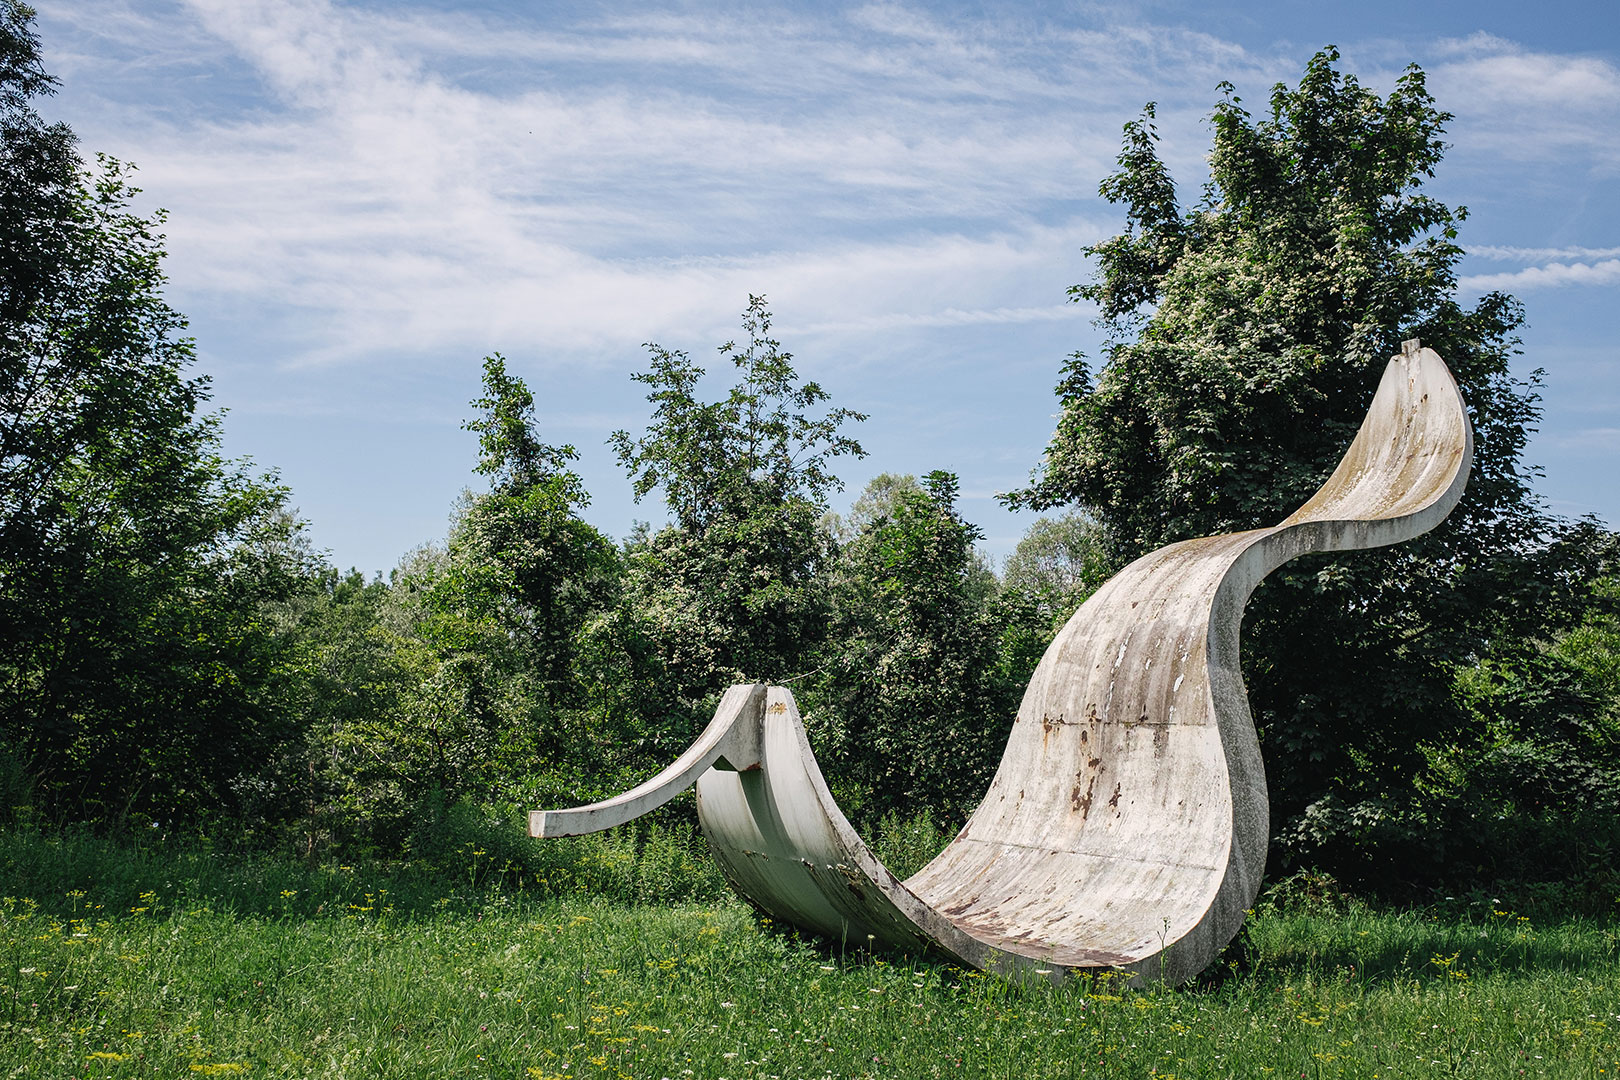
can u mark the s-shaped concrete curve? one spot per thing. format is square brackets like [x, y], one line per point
[1127, 826]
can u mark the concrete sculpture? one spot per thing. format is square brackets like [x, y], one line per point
[1127, 826]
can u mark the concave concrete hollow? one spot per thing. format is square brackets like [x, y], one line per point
[1126, 828]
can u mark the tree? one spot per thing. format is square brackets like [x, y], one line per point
[1525, 800]
[521, 553]
[913, 701]
[1246, 335]
[734, 588]
[758, 447]
[1060, 561]
[489, 625]
[347, 782]
[137, 677]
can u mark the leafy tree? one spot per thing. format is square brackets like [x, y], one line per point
[521, 553]
[878, 499]
[914, 701]
[1526, 799]
[735, 587]
[137, 677]
[346, 783]
[1060, 561]
[488, 625]
[758, 446]
[1246, 335]
[1593, 645]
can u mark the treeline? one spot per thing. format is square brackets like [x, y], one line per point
[530, 661]
[176, 660]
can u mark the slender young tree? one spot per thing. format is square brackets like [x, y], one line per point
[521, 552]
[735, 587]
[491, 623]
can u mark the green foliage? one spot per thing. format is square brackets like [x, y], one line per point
[457, 680]
[912, 704]
[521, 556]
[905, 844]
[1517, 798]
[735, 589]
[348, 781]
[473, 650]
[759, 446]
[1593, 644]
[137, 679]
[1059, 562]
[1248, 332]
[878, 499]
[1246, 337]
[510, 452]
[1541, 739]
[1527, 797]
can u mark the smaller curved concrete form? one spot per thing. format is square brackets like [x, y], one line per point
[1126, 827]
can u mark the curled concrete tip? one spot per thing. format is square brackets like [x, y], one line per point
[1126, 827]
[731, 741]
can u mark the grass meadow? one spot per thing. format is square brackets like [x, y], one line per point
[627, 959]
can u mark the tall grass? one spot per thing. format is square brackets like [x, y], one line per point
[465, 863]
[115, 962]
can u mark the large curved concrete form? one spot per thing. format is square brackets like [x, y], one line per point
[1126, 828]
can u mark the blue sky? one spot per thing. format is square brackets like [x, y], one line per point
[366, 198]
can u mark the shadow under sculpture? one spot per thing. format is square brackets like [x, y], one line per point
[1127, 826]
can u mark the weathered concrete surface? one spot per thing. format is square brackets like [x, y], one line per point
[1126, 828]
[731, 741]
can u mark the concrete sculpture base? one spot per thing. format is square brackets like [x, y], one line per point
[1126, 828]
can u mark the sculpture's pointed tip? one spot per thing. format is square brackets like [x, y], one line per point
[732, 738]
[1411, 347]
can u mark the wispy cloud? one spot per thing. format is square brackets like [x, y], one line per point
[1526, 106]
[1600, 439]
[1500, 72]
[388, 181]
[1514, 254]
[956, 317]
[1551, 276]
[396, 183]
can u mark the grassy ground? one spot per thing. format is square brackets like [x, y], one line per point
[118, 964]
